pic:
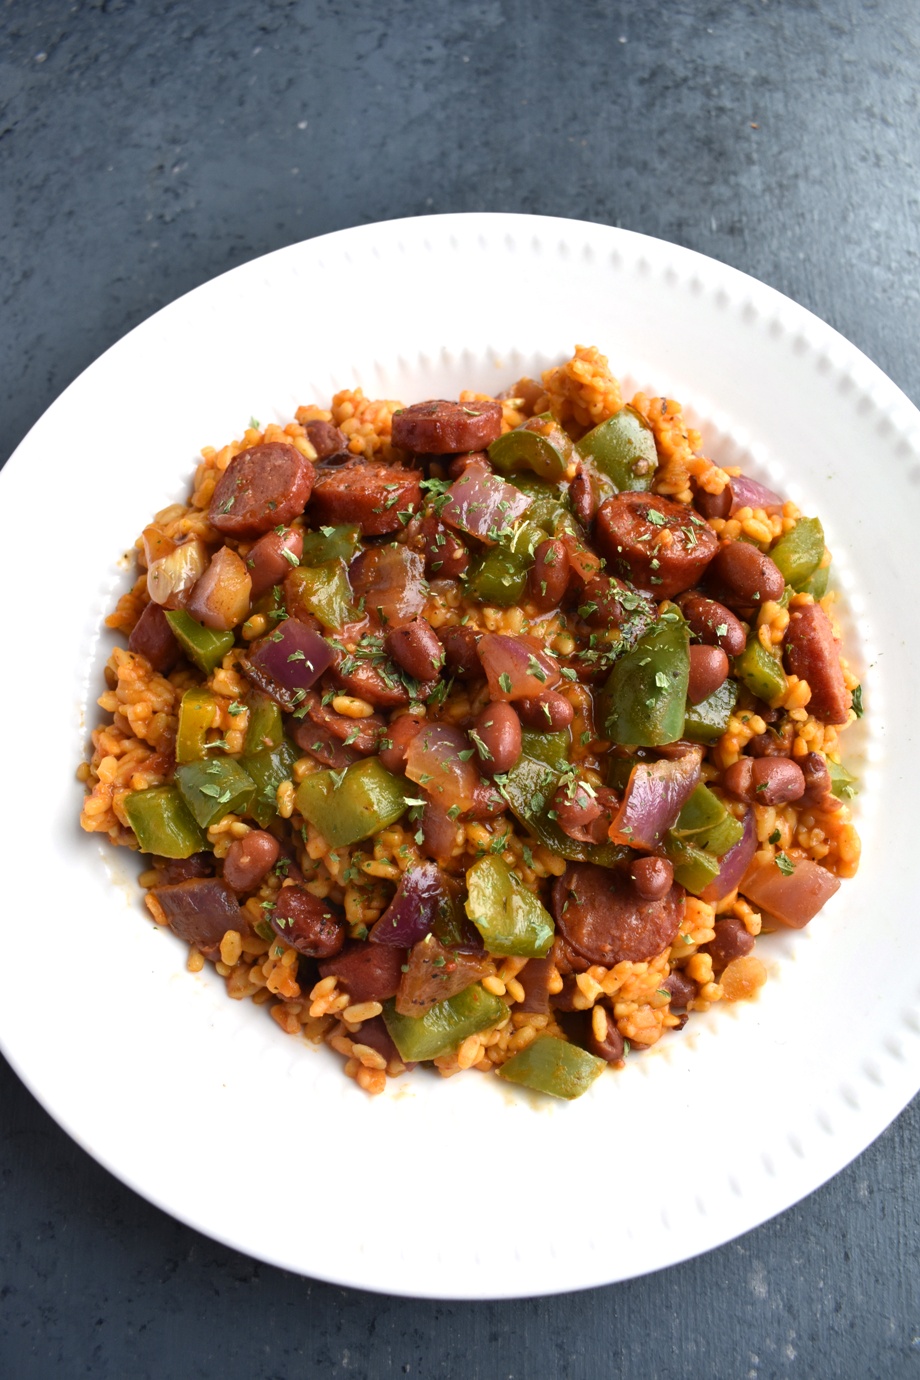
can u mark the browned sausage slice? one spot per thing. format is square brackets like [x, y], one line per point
[361, 734]
[653, 542]
[368, 972]
[811, 654]
[376, 497]
[602, 916]
[311, 926]
[441, 428]
[378, 684]
[260, 488]
[153, 638]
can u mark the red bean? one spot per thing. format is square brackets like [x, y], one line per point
[776, 742]
[460, 652]
[708, 670]
[575, 807]
[612, 1046]
[310, 925]
[460, 462]
[731, 941]
[765, 780]
[652, 877]
[498, 729]
[549, 575]
[713, 623]
[399, 735]
[737, 778]
[682, 989]
[446, 558]
[249, 859]
[548, 712]
[415, 647]
[817, 782]
[743, 576]
[583, 498]
[713, 505]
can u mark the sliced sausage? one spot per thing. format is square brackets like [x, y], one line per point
[602, 916]
[377, 684]
[375, 497]
[713, 624]
[201, 911]
[630, 533]
[810, 652]
[362, 735]
[325, 439]
[153, 638]
[260, 488]
[324, 747]
[310, 925]
[438, 427]
[268, 565]
[368, 972]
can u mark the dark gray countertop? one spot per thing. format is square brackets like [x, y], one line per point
[146, 147]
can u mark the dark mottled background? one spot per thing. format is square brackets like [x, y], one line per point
[145, 147]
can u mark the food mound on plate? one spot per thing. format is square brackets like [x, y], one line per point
[489, 733]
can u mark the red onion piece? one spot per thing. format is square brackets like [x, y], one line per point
[391, 581]
[288, 661]
[482, 504]
[734, 863]
[750, 493]
[529, 671]
[440, 760]
[420, 895]
[794, 899]
[153, 638]
[200, 911]
[655, 795]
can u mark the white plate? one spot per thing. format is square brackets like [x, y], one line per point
[460, 1188]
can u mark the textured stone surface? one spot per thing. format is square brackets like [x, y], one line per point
[145, 147]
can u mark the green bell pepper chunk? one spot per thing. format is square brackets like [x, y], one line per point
[325, 591]
[706, 823]
[707, 721]
[816, 584]
[760, 670]
[693, 868]
[161, 820]
[843, 782]
[498, 577]
[548, 508]
[550, 1065]
[528, 788]
[268, 768]
[215, 788]
[540, 445]
[799, 553]
[646, 694]
[510, 918]
[446, 1025]
[330, 544]
[353, 804]
[196, 716]
[265, 729]
[205, 647]
[623, 449]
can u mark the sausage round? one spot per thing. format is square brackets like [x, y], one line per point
[630, 541]
[260, 488]
[309, 925]
[361, 734]
[375, 497]
[439, 427]
[601, 916]
[368, 972]
[810, 651]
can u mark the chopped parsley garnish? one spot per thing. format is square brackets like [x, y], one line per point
[858, 702]
[785, 864]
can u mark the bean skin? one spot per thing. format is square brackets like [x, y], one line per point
[498, 729]
[583, 498]
[776, 742]
[737, 778]
[612, 1046]
[652, 877]
[713, 505]
[766, 780]
[249, 859]
[549, 575]
[415, 647]
[817, 782]
[575, 808]
[311, 926]
[713, 624]
[682, 989]
[461, 656]
[548, 712]
[731, 941]
[398, 737]
[708, 670]
[744, 576]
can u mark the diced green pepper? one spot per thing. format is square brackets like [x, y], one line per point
[446, 1025]
[498, 577]
[843, 782]
[706, 823]
[693, 868]
[353, 804]
[760, 670]
[265, 729]
[540, 445]
[623, 449]
[509, 917]
[646, 694]
[550, 1065]
[330, 544]
[816, 584]
[215, 788]
[323, 590]
[707, 721]
[548, 508]
[205, 647]
[161, 820]
[799, 553]
[268, 768]
[196, 716]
